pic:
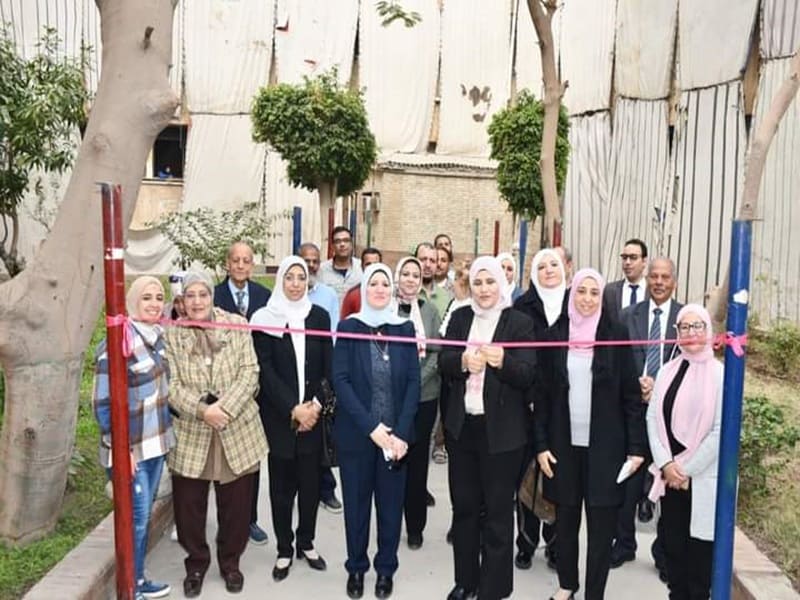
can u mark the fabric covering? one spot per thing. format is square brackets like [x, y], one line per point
[587, 189]
[780, 28]
[228, 53]
[397, 69]
[776, 253]
[708, 175]
[475, 73]
[644, 48]
[312, 37]
[713, 40]
[587, 53]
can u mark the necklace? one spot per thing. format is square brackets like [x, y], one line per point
[383, 348]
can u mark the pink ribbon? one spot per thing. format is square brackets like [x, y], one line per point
[736, 342]
[127, 334]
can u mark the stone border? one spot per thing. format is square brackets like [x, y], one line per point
[87, 571]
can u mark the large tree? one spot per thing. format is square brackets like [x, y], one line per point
[321, 130]
[48, 312]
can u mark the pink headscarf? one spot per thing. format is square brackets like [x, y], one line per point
[695, 401]
[581, 328]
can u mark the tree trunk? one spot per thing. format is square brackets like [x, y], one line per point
[542, 15]
[48, 312]
[327, 200]
[753, 170]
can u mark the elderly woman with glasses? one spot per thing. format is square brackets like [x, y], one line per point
[683, 426]
[220, 436]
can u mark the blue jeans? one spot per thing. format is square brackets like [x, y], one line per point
[145, 486]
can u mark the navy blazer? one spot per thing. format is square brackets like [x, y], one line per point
[612, 297]
[352, 381]
[637, 319]
[257, 297]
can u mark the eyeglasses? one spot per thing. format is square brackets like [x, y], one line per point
[341, 240]
[696, 326]
[630, 256]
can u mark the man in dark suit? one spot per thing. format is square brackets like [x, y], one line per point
[238, 295]
[652, 319]
[631, 290]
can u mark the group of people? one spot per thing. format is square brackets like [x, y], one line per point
[610, 427]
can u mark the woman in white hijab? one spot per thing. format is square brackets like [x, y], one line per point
[377, 387]
[293, 366]
[486, 430]
[509, 265]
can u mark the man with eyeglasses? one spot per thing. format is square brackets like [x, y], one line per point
[343, 271]
[653, 319]
[631, 290]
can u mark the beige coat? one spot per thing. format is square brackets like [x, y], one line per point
[233, 377]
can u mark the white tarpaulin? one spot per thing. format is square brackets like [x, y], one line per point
[528, 60]
[713, 40]
[148, 251]
[228, 53]
[587, 189]
[475, 73]
[645, 42]
[639, 167]
[398, 68]
[311, 36]
[780, 28]
[587, 53]
[776, 251]
[707, 174]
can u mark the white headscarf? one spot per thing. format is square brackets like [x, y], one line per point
[282, 312]
[552, 298]
[415, 314]
[508, 256]
[375, 317]
[491, 264]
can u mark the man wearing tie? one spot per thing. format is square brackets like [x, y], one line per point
[237, 294]
[654, 320]
[631, 290]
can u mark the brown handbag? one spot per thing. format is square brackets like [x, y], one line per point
[530, 494]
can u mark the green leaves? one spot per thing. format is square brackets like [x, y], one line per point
[204, 235]
[320, 129]
[390, 11]
[515, 135]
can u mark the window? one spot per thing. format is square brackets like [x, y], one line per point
[169, 153]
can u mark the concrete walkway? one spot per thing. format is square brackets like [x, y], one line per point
[424, 574]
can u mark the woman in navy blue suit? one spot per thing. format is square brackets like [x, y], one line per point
[377, 391]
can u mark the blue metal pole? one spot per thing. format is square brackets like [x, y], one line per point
[523, 242]
[353, 215]
[725, 523]
[297, 229]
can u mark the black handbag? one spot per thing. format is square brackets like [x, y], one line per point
[328, 402]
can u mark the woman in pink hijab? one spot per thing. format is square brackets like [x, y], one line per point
[683, 423]
[587, 425]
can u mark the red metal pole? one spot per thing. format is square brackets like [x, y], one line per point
[556, 234]
[331, 217]
[114, 269]
[496, 238]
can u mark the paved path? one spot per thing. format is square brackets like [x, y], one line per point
[423, 574]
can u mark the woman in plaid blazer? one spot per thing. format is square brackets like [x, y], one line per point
[220, 436]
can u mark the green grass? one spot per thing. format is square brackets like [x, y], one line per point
[85, 502]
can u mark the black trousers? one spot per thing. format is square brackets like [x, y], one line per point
[416, 505]
[688, 559]
[528, 524]
[190, 504]
[626, 519]
[256, 489]
[290, 478]
[482, 481]
[601, 522]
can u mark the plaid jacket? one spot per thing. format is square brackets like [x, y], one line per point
[233, 377]
[149, 421]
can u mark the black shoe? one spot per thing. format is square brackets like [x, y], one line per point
[355, 585]
[429, 499]
[193, 585]
[383, 587]
[552, 561]
[332, 504]
[234, 581]
[662, 575]
[279, 573]
[449, 536]
[314, 560]
[645, 512]
[523, 560]
[620, 558]
[415, 541]
[459, 593]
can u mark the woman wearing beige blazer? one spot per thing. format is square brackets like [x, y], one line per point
[214, 377]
